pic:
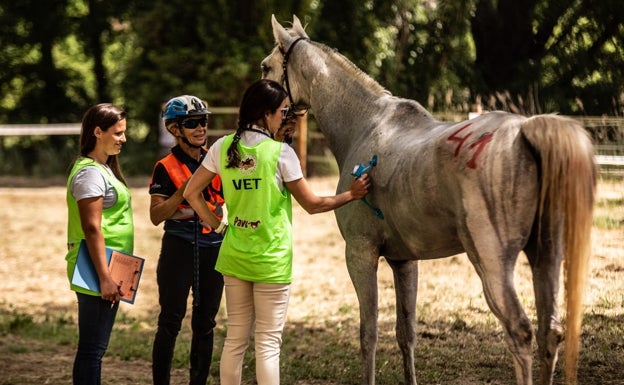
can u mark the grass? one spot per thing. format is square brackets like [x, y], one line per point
[332, 352]
[609, 214]
[460, 342]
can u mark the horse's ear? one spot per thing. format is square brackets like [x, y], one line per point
[298, 27]
[282, 37]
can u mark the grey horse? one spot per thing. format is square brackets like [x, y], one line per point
[491, 187]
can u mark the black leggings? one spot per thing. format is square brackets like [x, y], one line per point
[175, 279]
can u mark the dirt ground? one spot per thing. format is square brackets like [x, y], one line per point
[33, 277]
[33, 273]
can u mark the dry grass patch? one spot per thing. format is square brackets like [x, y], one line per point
[460, 341]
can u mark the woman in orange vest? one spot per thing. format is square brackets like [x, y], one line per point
[189, 250]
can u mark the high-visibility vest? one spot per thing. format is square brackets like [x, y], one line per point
[180, 173]
[117, 224]
[257, 246]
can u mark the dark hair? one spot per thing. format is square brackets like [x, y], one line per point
[261, 97]
[103, 115]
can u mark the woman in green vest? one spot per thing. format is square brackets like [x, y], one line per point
[258, 174]
[100, 214]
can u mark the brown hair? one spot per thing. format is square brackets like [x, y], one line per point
[261, 97]
[103, 115]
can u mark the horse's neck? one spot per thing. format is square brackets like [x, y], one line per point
[352, 110]
[347, 106]
[344, 110]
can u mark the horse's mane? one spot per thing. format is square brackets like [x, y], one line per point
[351, 68]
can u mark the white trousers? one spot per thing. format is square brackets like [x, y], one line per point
[249, 305]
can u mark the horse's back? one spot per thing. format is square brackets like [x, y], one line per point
[437, 181]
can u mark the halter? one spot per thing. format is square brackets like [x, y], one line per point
[297, 111]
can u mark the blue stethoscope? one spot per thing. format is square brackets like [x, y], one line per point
[358, 171]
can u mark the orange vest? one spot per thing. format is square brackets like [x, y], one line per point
[180, 173]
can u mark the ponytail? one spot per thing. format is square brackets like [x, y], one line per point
[260, 97]
[233, 156]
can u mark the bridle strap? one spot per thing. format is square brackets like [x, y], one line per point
[285, 70]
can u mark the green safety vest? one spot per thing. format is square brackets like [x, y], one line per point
[258, 242]
[117, 220]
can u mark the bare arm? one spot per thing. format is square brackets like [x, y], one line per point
[162, 207]
[91, 220]
[314, 204]
[193, 195]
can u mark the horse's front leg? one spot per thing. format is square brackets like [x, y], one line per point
[362, 262]
[406, 289]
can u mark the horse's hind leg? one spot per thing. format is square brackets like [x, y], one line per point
[406, 287]
[546, 266]
[496, 273]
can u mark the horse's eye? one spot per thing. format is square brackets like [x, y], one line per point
[265, 68]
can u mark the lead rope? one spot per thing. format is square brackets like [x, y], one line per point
[196, 263]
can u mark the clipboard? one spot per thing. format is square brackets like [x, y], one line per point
[125, 269]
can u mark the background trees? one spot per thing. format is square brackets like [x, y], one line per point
[530, 56]
[557, 55]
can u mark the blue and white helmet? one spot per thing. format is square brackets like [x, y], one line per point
[183, 106]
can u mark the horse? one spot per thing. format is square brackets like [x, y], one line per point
[490, 187]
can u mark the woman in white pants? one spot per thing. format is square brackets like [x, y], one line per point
[259, 173]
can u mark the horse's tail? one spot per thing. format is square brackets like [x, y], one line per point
[567, 188]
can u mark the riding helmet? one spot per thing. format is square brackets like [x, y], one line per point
[183, 106]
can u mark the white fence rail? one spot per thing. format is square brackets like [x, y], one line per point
[39, 129]
[610, 160]
[74, 129]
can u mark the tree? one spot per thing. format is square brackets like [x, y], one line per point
[434, 52]
[527, 56]
[96, 29]
[548, 52]
[208, 49]
[34, 87]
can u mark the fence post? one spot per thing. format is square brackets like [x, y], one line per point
[302, 141]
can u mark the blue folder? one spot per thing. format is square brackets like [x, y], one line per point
[86, 277]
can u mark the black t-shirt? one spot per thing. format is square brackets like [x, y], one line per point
[162, 184]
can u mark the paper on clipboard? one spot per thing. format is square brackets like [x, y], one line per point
[126, 269]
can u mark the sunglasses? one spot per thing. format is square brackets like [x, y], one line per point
[193, 123]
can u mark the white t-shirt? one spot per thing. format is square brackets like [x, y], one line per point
[90, 183]
[288, 165]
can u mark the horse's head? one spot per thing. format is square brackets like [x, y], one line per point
[275, 66]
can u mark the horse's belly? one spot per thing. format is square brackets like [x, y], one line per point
[400, 251]
[422, 237]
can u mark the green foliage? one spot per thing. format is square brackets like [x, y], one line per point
[452, 56]
[551, 56]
